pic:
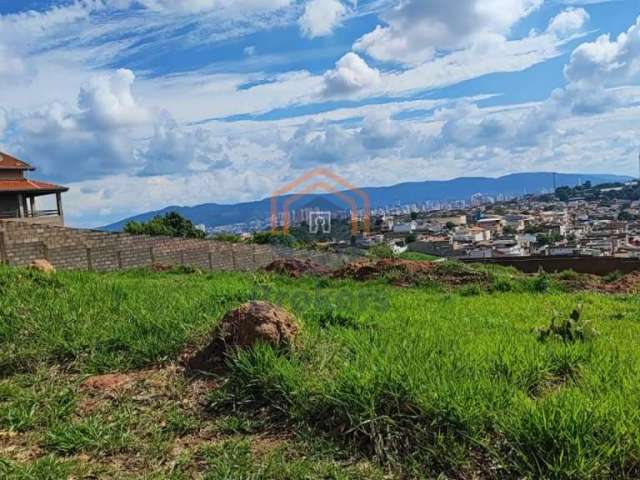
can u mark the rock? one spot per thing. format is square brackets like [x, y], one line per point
[43, 266]
[244, 327]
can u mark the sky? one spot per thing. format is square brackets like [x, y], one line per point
[140, 104]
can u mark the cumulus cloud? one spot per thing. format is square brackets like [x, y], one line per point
[173, 150]
[352, 74]
[320, 17]
[607, 62]
[415, 30]
[319, 144]
[568, 22]
[90, 139]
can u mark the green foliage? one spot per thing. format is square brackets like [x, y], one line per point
[280, 239]
[613, 277]
[227, 237]
[509, 230]
[381, 251]
[542, 283]
[171, 224]
[432, 385]
[417, 256]
[572, 329]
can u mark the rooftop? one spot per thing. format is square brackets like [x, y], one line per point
[7, 162]
[25, 185]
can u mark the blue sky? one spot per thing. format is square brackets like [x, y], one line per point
[139, 104]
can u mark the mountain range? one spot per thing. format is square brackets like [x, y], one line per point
[214, 215]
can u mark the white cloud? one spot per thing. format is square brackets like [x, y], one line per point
[568, 22]
[607, 62]
[320, 17]
[352, 74]
[11, 65]
[317, 144]
[4, 121]
[415, 30]
[90, 139]
[199, 6]
[173, 149]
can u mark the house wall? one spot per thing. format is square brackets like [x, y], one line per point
[11, 175]
[75, 249]
[8, 203]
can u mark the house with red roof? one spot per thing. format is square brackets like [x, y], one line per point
[21, 196]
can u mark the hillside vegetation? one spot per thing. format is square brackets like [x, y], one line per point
[385, 382]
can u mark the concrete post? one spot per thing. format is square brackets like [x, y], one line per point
[59, 204]
[89, 259]
[20, 206]
[4, 255]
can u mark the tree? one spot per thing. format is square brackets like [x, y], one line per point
[411, 238]
[625, 216]
[279, 239]
[509, 230]
[451, 226]
[171, 224]
[414, 215]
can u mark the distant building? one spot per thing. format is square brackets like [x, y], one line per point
[18, 194]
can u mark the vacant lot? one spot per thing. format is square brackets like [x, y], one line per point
[384, 382]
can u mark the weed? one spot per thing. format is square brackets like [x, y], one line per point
[570, 330]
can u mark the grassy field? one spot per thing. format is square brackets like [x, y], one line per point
[384, 382]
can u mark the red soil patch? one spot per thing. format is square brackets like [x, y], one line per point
[408, 272]
[297, 268]
[628, 284]
[113, 382]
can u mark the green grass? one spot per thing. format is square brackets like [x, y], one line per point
[384, 382]
[417, 256]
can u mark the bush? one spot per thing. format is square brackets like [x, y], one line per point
[381, 251]
[571, 330]
[542, 283]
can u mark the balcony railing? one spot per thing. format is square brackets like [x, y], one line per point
[34, 214]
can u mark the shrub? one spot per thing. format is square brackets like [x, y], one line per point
[542, 283]
[381, 251]
[570, 330]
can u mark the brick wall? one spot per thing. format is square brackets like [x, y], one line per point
[76, 249]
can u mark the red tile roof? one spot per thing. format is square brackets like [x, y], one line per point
[7, 162]
[25, 185]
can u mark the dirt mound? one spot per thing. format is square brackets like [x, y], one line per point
[43, 266]
[297, 268]
[629, 283]
[373, 270]
[244, 327]
[408, 272]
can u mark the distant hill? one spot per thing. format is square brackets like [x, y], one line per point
[213, 214]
